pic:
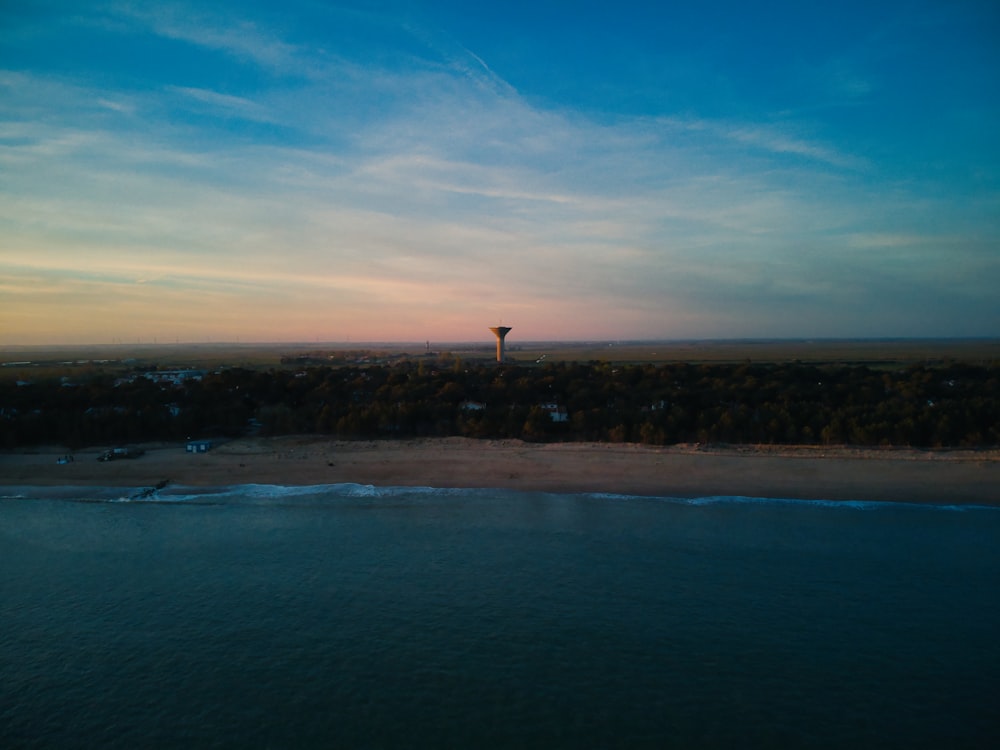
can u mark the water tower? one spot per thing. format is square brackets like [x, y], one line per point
[500, 332]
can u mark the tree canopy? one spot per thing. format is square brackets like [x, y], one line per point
[954, 404]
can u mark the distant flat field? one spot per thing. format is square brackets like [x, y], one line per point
[18, 361]
[862, 351]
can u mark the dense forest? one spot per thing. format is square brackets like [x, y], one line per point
[952, 404]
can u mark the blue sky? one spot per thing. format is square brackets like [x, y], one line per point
[402, 171]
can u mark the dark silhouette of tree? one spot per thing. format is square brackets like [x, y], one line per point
[951, 404]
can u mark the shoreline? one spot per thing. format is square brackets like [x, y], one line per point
[940, 477]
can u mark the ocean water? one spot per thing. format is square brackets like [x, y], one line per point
[355, 617]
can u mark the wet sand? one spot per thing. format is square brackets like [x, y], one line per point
[897, 475]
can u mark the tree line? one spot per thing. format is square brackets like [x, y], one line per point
[952, 405]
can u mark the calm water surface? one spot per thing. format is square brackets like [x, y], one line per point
[348, 617]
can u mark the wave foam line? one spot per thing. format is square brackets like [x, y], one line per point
[275, 494]
[798, 502]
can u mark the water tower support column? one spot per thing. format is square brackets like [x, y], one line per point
[500, 332]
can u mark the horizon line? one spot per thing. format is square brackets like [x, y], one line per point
[490, 344]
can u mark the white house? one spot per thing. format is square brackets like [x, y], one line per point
[199, 446]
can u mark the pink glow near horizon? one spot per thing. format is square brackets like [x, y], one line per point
[401, 176]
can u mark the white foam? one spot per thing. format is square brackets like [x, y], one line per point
[325, 493]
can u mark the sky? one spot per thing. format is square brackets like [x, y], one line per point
[410, 171]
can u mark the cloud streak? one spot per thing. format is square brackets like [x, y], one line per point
[244, 39]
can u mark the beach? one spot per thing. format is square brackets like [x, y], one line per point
[824, 473]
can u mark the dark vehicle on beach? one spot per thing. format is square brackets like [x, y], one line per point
[116, 453]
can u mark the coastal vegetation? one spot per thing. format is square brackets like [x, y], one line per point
[944, 404]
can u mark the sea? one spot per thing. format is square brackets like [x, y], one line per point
[348, 616]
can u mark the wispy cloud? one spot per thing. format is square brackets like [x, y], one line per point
[243, 39]
[767, 138]
[225, 104]
[390, 195]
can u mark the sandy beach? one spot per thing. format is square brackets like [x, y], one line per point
[897, 475]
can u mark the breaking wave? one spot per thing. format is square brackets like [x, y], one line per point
[271, 494]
